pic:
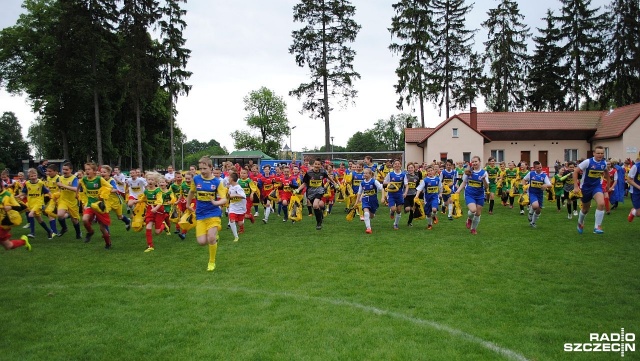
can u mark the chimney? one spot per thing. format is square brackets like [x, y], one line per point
[473, 120]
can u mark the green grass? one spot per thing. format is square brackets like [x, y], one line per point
[289, 292]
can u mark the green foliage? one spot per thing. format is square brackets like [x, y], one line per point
[390, 132]
[13, 148]
[194, 150]
[366, 141]
[506, 52]
[321, 46]
[268, 116]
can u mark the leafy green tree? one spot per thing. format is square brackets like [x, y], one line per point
[581, 36]
[390, 132]
[267, 114]
[410, 25]
[366, 141]
[472, 81]
[622, 77]
[321, 46]
[13, 147]
[545, 81]
[506, 51]
[451, 50]
[194, 150]
[174, 59]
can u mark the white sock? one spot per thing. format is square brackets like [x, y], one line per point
[535, 217]
[599, 218]
[470, 214]
[633, 212]
[581, 217]
[431, 220]
[450, 207]
[266, 212]
[367, 219]
[398, 216]
[234, 229]
[476, 220]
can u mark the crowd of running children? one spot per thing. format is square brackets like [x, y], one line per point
[198, 197]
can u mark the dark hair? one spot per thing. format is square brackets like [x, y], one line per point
[234, 176]
[536, 163]
[52, 167]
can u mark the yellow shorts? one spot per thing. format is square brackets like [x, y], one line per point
[204, 225]
[72, 209]
[114, 206]
[36, 207]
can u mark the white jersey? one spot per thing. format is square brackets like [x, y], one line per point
[136, 186]
[120, 179]
[237, 200]
[169, 176]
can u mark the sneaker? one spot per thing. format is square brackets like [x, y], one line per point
[450, 218]
[468, 223]
[473, 231]
[79, 236]
[490, 212]
[252, 219]
[149, 249]
[31, 235]
[510, 206]
[27, 245]
[522, 212]
[429, 227]
[598, 230]
[264, 220]
[395, 227]
[410, 224]
[87, 238]
[533, 225]
[569, 216]
[236, 239]
[211, 266]
[368, 231]
[63, 231]
[435, 220]
[51, 235]
[182, 236]
[310, 214]
[580, 228]
[25, 226]
[575, 213]
[630, 217]
[177, 231]
[107, 246]
[284, 219]
[319, 226]
[255, 215]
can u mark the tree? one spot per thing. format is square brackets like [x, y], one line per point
[366, 141]
[267, 115]
[545, 81]
[622, 77]
[506, 51]
[473, 81]
[411, 24]
[390, 132]
[321, 46]
[174, 59]
[451, 50]
[13, 147]
[194, 150]
[581, 31]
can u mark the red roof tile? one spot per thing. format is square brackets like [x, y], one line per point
[447, 121]
[613, 124]
[509, 121]
[416, 135]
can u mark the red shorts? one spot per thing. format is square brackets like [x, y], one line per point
[103, 218]
[157, 218]
[182, 205]
[285, 196]
[249, 205]
[234, 217]
[5, 235]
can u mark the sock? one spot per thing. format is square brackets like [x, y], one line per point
[450, 206]
[318, 213]
[267, 210]
[569, 207]
[511, 200]
[430, 220]
[310, 209]
[32, 224]
[531, 211]
[397, 220]
[53, 226]
[633, 212]
[255, 208]
[234, 230]
[535, 217]
[581, 217]
[213, 249]
[330, 207]
[63, 223]
[599, 218]
[15, 243]
[559, 203]
[149, 236]
[410, 217]
[126, 220]
[107, 229]
[491, 203]
[470, 214]
[46, 228]
[522, 208]
[107, 237]
[286, 212]
[279, 208]
[87, 226]
[476, 220]
[76, 226]
[367, 219]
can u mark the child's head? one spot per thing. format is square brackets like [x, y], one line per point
[52, 170]
[244, 174]
[233, 178]
[32, 173]
[5, 174]
[368, 173]
[162, 182]
[105, 171]
[67, 168]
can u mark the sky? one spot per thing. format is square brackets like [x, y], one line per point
[241, 46]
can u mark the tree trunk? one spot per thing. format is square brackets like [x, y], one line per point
[171, 121]
[96, 112]
[65, 146]
[421, 93]
[139, 134]
[325, 100]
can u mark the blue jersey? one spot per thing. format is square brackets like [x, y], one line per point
[475, 183]
[448, 178]
[207, 190]
[369, 188]
[397, 179]
[430, 186]
[592, 173]
[356, 179]
[536, 181]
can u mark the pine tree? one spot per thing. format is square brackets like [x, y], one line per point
[452, 47]
[545, 80]
[411, 26]
[581, 33]
[622, 77]
[472, 82]
[506, 51]
[321, 46]
[175, 57]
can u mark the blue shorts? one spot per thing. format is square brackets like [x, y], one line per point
[395, 198]
[588, 193]
[446, 197]
[534, 197]
[370, 202]
[471, 199]
[635, 198]
[431, 202]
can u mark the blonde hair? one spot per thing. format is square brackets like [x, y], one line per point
[108, 168]
[32, 171]
[154, 176]
[206, 161]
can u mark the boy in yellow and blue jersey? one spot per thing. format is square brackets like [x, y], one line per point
[33, 191]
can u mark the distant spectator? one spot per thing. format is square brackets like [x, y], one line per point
[42, 169]
[170, 175]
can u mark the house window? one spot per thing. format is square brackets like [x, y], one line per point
[571, 155]
[498, 154]
[443, 157]
[606, 152]
[455, 132]
[466, 156]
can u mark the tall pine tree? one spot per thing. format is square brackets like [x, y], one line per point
[452, 48]
[506, 51]
[472, 82]
[545, 81]
[321, 45]
[410, 25]
[581, 36]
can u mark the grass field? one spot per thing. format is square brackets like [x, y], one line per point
[288, 292]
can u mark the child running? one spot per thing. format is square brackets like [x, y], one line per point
[368, 195]
[474, 182]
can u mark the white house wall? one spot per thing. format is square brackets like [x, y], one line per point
[443, 141]
[555, 151]
[631, 140]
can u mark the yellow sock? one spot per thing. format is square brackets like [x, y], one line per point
[213, 248]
